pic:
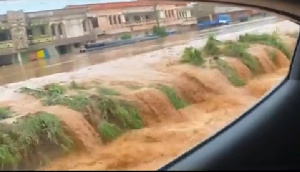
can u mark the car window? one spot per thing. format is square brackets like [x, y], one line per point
[129, 85]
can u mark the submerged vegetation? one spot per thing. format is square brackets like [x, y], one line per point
[239, 49]
[100, 110]
[272, 54]
[230, 73]
[23, 142]
[267, 39]
[177, 102]
[5, 112]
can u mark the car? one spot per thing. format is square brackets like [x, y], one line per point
[267, 135]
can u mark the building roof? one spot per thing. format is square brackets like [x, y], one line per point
[42, 5]
[120, 5]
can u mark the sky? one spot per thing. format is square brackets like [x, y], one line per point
[41, 5]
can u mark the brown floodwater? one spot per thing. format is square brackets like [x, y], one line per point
[67, 63]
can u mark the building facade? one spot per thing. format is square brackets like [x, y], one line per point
[111, 21]
[55, 32]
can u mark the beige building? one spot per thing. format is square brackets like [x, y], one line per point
[112, 20]
[29, 36]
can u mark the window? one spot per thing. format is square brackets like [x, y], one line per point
[126, 19]
[166, 14]
[4, 35]
[95, 23]
[119, 19]
[147, 17]
[84, 26]
[29, 32]
[115, 19]
[42, 30]
[110, 20]
[77, 45]
[60, 29]
[53, 29]
[136, 18]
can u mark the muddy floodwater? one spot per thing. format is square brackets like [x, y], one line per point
[67, 63]
[176, 105]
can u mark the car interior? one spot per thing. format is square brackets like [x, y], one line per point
[266, 136]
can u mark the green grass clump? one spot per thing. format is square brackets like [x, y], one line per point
[267, 39]
[211, 47]
[126, 36]
[108, 91]
[193, 56]
[54, 89]
[50, 90]
[230, 73]
[116, 117]
[160, 31]
[21, 141]
[5, 112]
[272, 54]
[75, 102]
[177, 102]
[120, 112]
[96, 108]
[109, 131]
[238, 49]
[33, 129]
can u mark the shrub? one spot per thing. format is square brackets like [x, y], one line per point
[160, 31]
[211, 46]
[193, 56]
